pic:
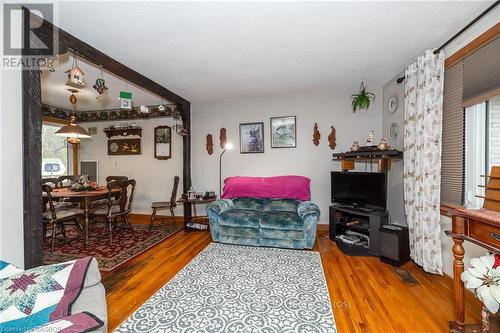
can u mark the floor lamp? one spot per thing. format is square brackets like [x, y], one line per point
[227, 146]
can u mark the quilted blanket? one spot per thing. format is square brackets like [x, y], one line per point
[35, 297]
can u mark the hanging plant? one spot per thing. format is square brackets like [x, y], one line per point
[362, 99]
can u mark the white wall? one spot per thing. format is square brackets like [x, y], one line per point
[11, 169]
[11, 164]
[395, 203]
[154, 177]
[327, 109]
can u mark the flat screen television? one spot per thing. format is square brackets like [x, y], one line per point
[360, 189]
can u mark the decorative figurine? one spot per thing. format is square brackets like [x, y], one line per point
[210, 144]
[332, 139]
[355, 146]
[316, 135]
[143, 109]
[369, 140]
[222, 138]
[382, 145]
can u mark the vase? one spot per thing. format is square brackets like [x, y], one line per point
[490, 321]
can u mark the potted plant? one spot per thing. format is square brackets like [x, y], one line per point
[483, 277]
[362, 99]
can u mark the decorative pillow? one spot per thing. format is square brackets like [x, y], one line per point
[7, 270]
[77, 323]
[40, 295]
[249, 203]
[279, 187]
[282, 205]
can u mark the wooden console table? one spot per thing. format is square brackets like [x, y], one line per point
[481, 227]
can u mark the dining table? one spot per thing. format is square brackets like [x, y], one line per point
[85, 198]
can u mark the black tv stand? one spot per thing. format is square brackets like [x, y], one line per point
[360, 222]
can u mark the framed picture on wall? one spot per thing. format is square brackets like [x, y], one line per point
[124, 147]
[283, 132]
[251, 138]
[163, 142]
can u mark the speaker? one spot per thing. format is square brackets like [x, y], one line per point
[394, 244]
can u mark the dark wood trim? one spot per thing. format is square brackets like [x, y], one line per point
[32, 148]
[482, 39]
[54, 120]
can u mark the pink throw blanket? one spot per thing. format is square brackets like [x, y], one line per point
[279, 187]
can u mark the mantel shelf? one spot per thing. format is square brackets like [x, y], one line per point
[123, 131]
[368, 154]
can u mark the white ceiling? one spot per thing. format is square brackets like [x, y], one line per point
[208, 51]
[55, 91]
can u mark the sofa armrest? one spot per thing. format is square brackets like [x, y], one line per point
[306, 208]
[220, 206]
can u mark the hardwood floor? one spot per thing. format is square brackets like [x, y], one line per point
[366, 294]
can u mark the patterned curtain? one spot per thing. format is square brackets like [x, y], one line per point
[422, 158]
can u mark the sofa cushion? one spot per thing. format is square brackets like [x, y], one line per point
[250, 203]
[281, 221]
[284, 243]
[240, 218]
[237, 240]
[281, 234]
[239, 231]
[283, 205]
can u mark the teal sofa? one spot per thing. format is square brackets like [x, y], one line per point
[284, 223]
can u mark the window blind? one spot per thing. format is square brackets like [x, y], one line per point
[452, 156]
[481, 73]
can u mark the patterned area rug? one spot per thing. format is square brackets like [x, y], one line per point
[127, 243]
[229, 288]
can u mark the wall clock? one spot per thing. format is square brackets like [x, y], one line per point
[393, 104]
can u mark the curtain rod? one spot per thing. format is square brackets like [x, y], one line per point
[480, 16]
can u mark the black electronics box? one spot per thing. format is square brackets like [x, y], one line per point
[394, 244]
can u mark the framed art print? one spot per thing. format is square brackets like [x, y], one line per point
[251, 138]
[283, 132]
[163, 142]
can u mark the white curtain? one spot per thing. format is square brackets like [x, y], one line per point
[422, 158]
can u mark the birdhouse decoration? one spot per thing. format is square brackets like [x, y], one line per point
[126, 100]
[100, 85]
[75, 76]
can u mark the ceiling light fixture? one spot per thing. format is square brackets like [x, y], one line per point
[73, 132]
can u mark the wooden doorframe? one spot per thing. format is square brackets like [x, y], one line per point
[32, 127]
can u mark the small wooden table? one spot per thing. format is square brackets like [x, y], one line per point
[191, 203]
[481, 227]
[85, 198]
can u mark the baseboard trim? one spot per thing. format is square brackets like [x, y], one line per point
[145, 218]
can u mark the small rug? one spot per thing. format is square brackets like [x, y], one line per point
[127, 244]
[229, 288]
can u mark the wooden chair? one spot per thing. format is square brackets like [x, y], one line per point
[55, 218]
[119, 178]
[61, 204]
[166, 205]
[116, 209]
[65, 179]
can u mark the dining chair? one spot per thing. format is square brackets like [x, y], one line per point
[55, 218]
[61, 204]
[116, 208]
[119, 178]
[63, 180]
[170, 205]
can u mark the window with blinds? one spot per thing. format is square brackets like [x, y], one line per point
[474, 79]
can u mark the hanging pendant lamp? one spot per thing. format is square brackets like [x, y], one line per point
[73, 132]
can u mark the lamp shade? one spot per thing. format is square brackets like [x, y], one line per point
[73, 130]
